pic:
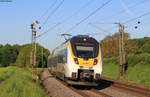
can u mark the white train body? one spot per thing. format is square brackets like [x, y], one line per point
[78, 59]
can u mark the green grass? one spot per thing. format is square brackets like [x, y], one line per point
[110, 67]
[110, 70]
[138, 69]
[138, 74]
[5, 74]
[18, 82]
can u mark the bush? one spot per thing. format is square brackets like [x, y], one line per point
[146, 48]
[23, 59]
[113, 60]
[138, 74]
[138, 68]
[142, 59]
[143, 44]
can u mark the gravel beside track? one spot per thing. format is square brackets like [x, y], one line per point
[54, 88]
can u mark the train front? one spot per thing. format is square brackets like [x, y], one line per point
[85, 63]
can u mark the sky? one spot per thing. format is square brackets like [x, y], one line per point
[16, 17]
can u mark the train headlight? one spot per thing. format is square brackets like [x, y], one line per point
[95, 62]
[76, 61]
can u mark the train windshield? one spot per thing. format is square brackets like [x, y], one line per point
[85, 47]
[85, 50]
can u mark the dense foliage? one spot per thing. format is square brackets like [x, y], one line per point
[132, 46]
[19, 55]
[137, 57]
[8, 54]
[143, 44]
[138, 68]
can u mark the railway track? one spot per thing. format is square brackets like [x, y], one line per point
[107, 88]
[85, 91]
[132, 88]
[90, 93]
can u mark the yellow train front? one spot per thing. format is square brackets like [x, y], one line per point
[77, 61]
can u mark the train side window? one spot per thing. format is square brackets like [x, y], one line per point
[60, 59]
[62, 56]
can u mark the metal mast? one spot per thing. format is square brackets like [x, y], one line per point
[33, 42]
[122, 58]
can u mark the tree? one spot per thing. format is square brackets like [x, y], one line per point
[8, 55]
[23, 59]
[110, 45]
[146, 47]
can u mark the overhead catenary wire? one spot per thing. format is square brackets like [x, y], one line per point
[136, 25]
[48, 30]
[49, 8]
[143, 15]
[138, 3]
[78, 11]
[130, 20]
[53, 12]
[69, 17]
[85, 19]
[133, 19]
[122, 11]
[126, 9]
[99, 28]
[91, 14]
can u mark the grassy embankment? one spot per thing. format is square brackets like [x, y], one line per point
[19, 82]
[138, 68]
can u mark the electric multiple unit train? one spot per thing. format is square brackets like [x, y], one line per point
[77, 60]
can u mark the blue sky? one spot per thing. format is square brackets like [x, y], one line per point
[16, 17]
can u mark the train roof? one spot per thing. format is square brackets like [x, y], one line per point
[83, 37]
[78, 38]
